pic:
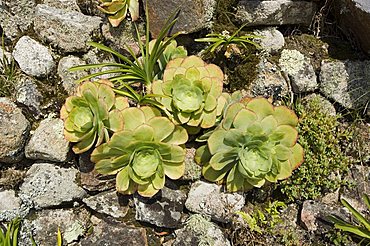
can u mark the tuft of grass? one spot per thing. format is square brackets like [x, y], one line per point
[325, 162]
[9, 236]
[8, 73]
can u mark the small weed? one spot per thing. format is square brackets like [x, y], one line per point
[8, 73]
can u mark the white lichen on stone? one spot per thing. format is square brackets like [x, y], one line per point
[291, 61]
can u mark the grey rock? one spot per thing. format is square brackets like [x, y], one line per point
[275, 12]
[14, 130]
[193, 16]
[353, 17]
[48, 142]
[28, 94]
[360, 176]
[208, 199]
[324, 105]
[115, 235]
[123, 35]
[109, 203]
[299, 70]
[9, 204]
[63, 4]
[44, 224]
[346, 82]
[65, 29]
[269, 81]
[97, 56]
[47, 185]
[272, 40]
[163, 210]
[90, 179]
[200, 231]
[313, 215]
[69, 78]
[193, 171]
[33, 58]
[16, 16]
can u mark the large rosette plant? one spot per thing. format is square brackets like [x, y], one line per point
[254, 143]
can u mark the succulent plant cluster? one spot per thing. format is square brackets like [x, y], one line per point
[191, 91]
[117, 10]
[254, 143]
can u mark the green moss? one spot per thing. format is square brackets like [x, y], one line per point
[243, 74]
[224, 16]
[325, 161]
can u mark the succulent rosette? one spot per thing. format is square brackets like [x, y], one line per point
[190, 91]
[143, 153]
[91, 114]
[254, 143]
[117, 10]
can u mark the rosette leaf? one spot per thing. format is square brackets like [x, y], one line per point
[146, 151]
[191, 91]
[254, 143]
[91, 114]
[117, 10]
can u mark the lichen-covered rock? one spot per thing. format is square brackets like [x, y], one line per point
[33, 58]
[69, 78]
[16, 16]
[47, 185]
[14, 130]
[272, 40]
[193, 171]
[299, 70]
[44, 224]
[269, 81]
[9, 204]
[209, 200]
[48, 142]
[346, 82]
[115, 235]
[29, 95]
[63, 4]
[275, 12]
[65, 29]
[200, 231]
[110, 203]
[193, 16]
[163, 210]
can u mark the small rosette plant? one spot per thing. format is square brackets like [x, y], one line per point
[190, 91]
[254, 143]
[117, 10]
[91, 114]
[143, 153]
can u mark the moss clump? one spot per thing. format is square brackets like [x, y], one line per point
[243, 74]
[325, 161]
[224, 14]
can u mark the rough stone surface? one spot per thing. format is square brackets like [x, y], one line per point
[44, 224]
[9, 204]
[208, 199]
[47, 185]
[48, 142]
[109, 203]
[121, 36]
[163, 210]
[346, 82]
[16, 16]
[200, 231]
[28, 94]
[193, 16]
[115, 235]
[354, 18]
[299, 70]
[269, 81]
[33, 58]
[63, 4]
[193, 171]
[67, 30]
[14, 130]
[325, 106]
[360, 176]
[272, 39]
[90, 179]
[69, 78]
[275, 12]
[313, 214]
